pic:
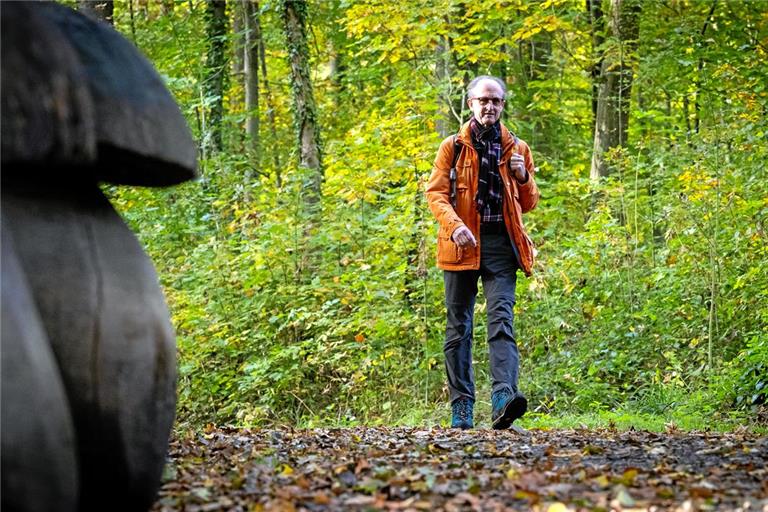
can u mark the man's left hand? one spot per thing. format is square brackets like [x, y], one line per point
[517, 165]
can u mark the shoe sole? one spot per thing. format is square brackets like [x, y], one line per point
[512, 411]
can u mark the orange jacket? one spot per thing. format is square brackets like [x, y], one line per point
[518, 199]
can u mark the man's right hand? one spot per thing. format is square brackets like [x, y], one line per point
[463, 237]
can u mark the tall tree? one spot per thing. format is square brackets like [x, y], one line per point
[215, 80]
[700, 68]
[445, 121]
[612, 118]
[294, 14]
[269, 104]
[238, 39]
[597, 29]
[337, 44]
[102, 10]
[251, 40]
[450, 86]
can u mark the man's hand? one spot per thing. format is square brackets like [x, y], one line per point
[463, 237]
[517, 165]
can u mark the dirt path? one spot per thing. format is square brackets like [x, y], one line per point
[439, 469]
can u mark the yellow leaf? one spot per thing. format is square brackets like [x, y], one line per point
[591, 449]
[557, 507]
[628, 478]
[602, 481]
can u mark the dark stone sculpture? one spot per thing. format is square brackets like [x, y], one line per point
[88, 352]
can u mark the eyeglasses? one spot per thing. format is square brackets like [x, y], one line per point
[496, 102]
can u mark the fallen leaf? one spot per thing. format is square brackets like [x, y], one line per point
[628, 477]
[591, 449]
[360, 501]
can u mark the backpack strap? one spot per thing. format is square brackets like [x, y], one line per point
[452, 175]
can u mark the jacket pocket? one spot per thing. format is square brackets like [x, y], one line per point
[461, 194]
[447, 250]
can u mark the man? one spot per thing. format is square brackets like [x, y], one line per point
[482, 235]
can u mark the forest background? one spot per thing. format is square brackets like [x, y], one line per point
[299, 269]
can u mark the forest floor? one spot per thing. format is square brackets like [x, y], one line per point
[441, 469]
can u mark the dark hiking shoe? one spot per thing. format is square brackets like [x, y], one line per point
[462, 414]
[506, 407]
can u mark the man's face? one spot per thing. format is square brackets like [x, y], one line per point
[486, 102]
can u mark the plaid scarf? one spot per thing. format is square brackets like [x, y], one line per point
[487, 143]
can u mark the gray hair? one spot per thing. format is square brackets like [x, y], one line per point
[480, 78]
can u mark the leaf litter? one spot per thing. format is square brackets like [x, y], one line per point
[416, 469]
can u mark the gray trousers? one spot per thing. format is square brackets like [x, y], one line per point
[498, 270]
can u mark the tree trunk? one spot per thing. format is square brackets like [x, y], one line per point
[269, 104]
[533, 56]
[539, 53]
[338, 44]
[294, 14]
[338, 68]
[215, 80]
[445, 122]
[700, 70]
[239, 9]
[597, 24]
[102, 10]
[133, 22]
[237, 66]
[457, 101]
[251, 68]
[615, 84]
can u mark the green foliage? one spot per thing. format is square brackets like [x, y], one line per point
[649, 297]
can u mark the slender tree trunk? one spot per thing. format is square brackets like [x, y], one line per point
[294, 14]
[269, 105]
[445, 121]
[531, 62]
[133, 21]
[539, 57]
[251, 67]
[615, 84]
[700, 71]
[540, 48]
[457, 86]
[239, 12]
[417, 248]
[687, 118]
[101, 10]
[215, 80]
[338, 63]
[597, 23]
[338, 68]
[237, 70]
